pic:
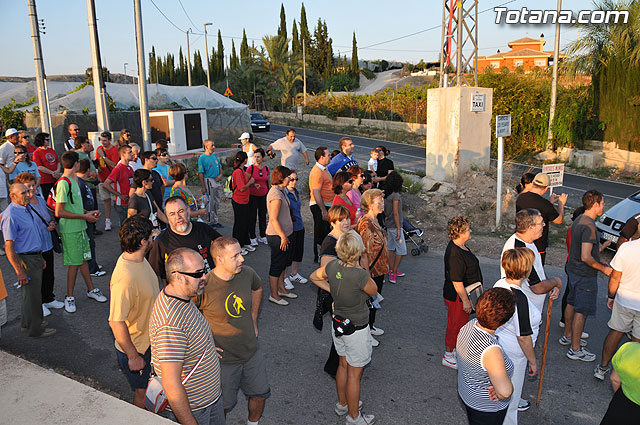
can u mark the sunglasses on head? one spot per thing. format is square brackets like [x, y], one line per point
[197, 274]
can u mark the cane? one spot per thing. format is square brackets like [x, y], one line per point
[544, 349]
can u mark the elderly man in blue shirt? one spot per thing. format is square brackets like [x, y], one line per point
[23, 244]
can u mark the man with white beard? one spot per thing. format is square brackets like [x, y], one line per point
[181, 233]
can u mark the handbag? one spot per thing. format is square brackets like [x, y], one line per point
[473, 292]
[155, 399]
[55, 237]
[342, 326]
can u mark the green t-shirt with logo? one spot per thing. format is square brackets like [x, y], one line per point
[626, 362]
[70, 225]
[347, 290]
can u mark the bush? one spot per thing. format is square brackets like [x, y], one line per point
[10, 118]
[342, 82]
[369, 75]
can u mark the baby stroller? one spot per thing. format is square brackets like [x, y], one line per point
[413, 234]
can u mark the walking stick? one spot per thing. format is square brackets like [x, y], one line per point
[544, 349]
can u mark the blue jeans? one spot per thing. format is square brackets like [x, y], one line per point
[122, 213]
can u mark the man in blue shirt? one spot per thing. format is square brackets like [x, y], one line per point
[210, 173]
[23, 245]
[344, 160]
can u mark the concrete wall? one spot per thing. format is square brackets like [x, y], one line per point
[457, 139]
[281, 117]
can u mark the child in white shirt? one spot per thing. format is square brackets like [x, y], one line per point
[373, 161]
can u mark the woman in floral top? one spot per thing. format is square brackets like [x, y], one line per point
[372, 204]
[178, 173]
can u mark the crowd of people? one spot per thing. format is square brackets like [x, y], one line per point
[184, 307]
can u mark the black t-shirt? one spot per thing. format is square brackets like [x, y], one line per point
[459, 266]
[583, 230]
[546, 208]
[630, 227]
[142, 205]
[328, 247]
[385, 165]
[156, 193]
[199, 239]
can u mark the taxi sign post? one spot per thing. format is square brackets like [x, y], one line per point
[503, 129]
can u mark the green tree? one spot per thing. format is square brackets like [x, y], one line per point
[305, 35]
[296, 47]
[234, 61]
[284, 68]
[282, 28]
[220, 59]
[321, 51]
[244, 48]
[198, 75]
[153, 76]
[355, 68]
[88, 75]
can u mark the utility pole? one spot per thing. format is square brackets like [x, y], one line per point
[125, 69]
[188, 60]
[142, 79]
[99, 88]
[459, 27]
[304, 74]
[206, 48]
[554, 81]
[43, 102]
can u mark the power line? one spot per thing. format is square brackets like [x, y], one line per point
[166, 17]
[185, 12]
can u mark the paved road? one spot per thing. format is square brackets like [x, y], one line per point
[413, 158]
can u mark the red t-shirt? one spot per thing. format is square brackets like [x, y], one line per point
[122, 178]
[262, 180]
[49, 159]
[238, 182]
[112, 154]
[337, 200]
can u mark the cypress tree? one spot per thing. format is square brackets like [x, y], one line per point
[244, 48]
[296, 47]
[220, 59]
[305, 35]
[355, 68]
[152, 65]
[282, 28]
[234, 62]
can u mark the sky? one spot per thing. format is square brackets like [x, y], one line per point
[66, 48]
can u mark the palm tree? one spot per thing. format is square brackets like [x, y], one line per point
[283, 67]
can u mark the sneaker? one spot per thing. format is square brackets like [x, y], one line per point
[584, 335]
[45, 311]
[581, 354]
[600, 372]
[449, 360]
[70, 305]
[97, 295]
[374, 342]
[287, 295]
[567, 341]
[249, 248]
[279, 302]
[361, 419]
[287, 284]
[400, 274]
[54, 304]
[376, 331]
[523, 405]
[392, 278]
[297, 278]
[254, 242]
[263, 240]
[243, 252]
[98, 273]
[561, 324]
[343, 410]
[107, 224]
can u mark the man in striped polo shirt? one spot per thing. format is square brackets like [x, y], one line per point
[182, 343]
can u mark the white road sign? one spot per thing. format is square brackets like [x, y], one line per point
[478, 100]
[555, 173]
[503, 125]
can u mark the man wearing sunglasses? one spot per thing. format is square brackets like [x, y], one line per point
[182, 233]
[231, 302]
[149, 162]
[74, 132]
[182, 344]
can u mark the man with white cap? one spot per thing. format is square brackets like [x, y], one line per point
[533, 198]
[291, 149]
[247, 147]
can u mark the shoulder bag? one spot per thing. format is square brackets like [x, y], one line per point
[55, 237]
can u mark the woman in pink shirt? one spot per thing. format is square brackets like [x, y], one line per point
[357, 174]
[342, 184]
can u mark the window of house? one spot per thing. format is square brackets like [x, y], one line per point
[495, 65]
[540, 62]
[518, 62]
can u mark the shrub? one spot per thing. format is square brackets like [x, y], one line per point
[342, 82]
[369, 75]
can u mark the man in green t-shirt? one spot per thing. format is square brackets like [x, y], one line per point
[73, 225]
[231, 303]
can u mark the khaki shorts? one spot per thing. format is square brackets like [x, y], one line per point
[355, 347]
[104, 194]
[625, 320]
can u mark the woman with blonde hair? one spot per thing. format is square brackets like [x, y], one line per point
[350, 286]
[375, 243]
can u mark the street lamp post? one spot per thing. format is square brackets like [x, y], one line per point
[125, 69]
[206, 48]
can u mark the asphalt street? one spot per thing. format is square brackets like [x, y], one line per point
[404, 384]
[413, 158]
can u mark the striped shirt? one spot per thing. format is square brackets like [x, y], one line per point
[537, 274]
[473, 378]
[180, 333]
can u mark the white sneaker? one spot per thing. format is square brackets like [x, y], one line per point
[107, 224]
[54, 304]
[263, 240]
[374, 342]
[70, 305]
[254, 242]
[287, 284]
[97, 295]
[361, 420]
[45, 311]
[297, 278]
[375, 331]
[449, 360]
[243, 252]
[249, 248]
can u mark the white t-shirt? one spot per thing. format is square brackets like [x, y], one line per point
[626, 261]
[537, 272]
[372, 164]
[249, 150]
[291, 152]
[525, 321]
[135, 165]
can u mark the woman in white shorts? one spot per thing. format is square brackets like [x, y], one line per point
[350, 287]
[393, 219]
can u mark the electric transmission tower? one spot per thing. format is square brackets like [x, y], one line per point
[459, 42]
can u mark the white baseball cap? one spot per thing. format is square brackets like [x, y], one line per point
[244, 135]
[10, 132]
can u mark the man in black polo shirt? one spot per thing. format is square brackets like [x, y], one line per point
[534, 199]
[181, 233]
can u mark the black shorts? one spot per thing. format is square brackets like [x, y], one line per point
[297, 245]
[280, 259]
[136, 380]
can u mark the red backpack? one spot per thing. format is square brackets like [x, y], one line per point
[51, 198]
